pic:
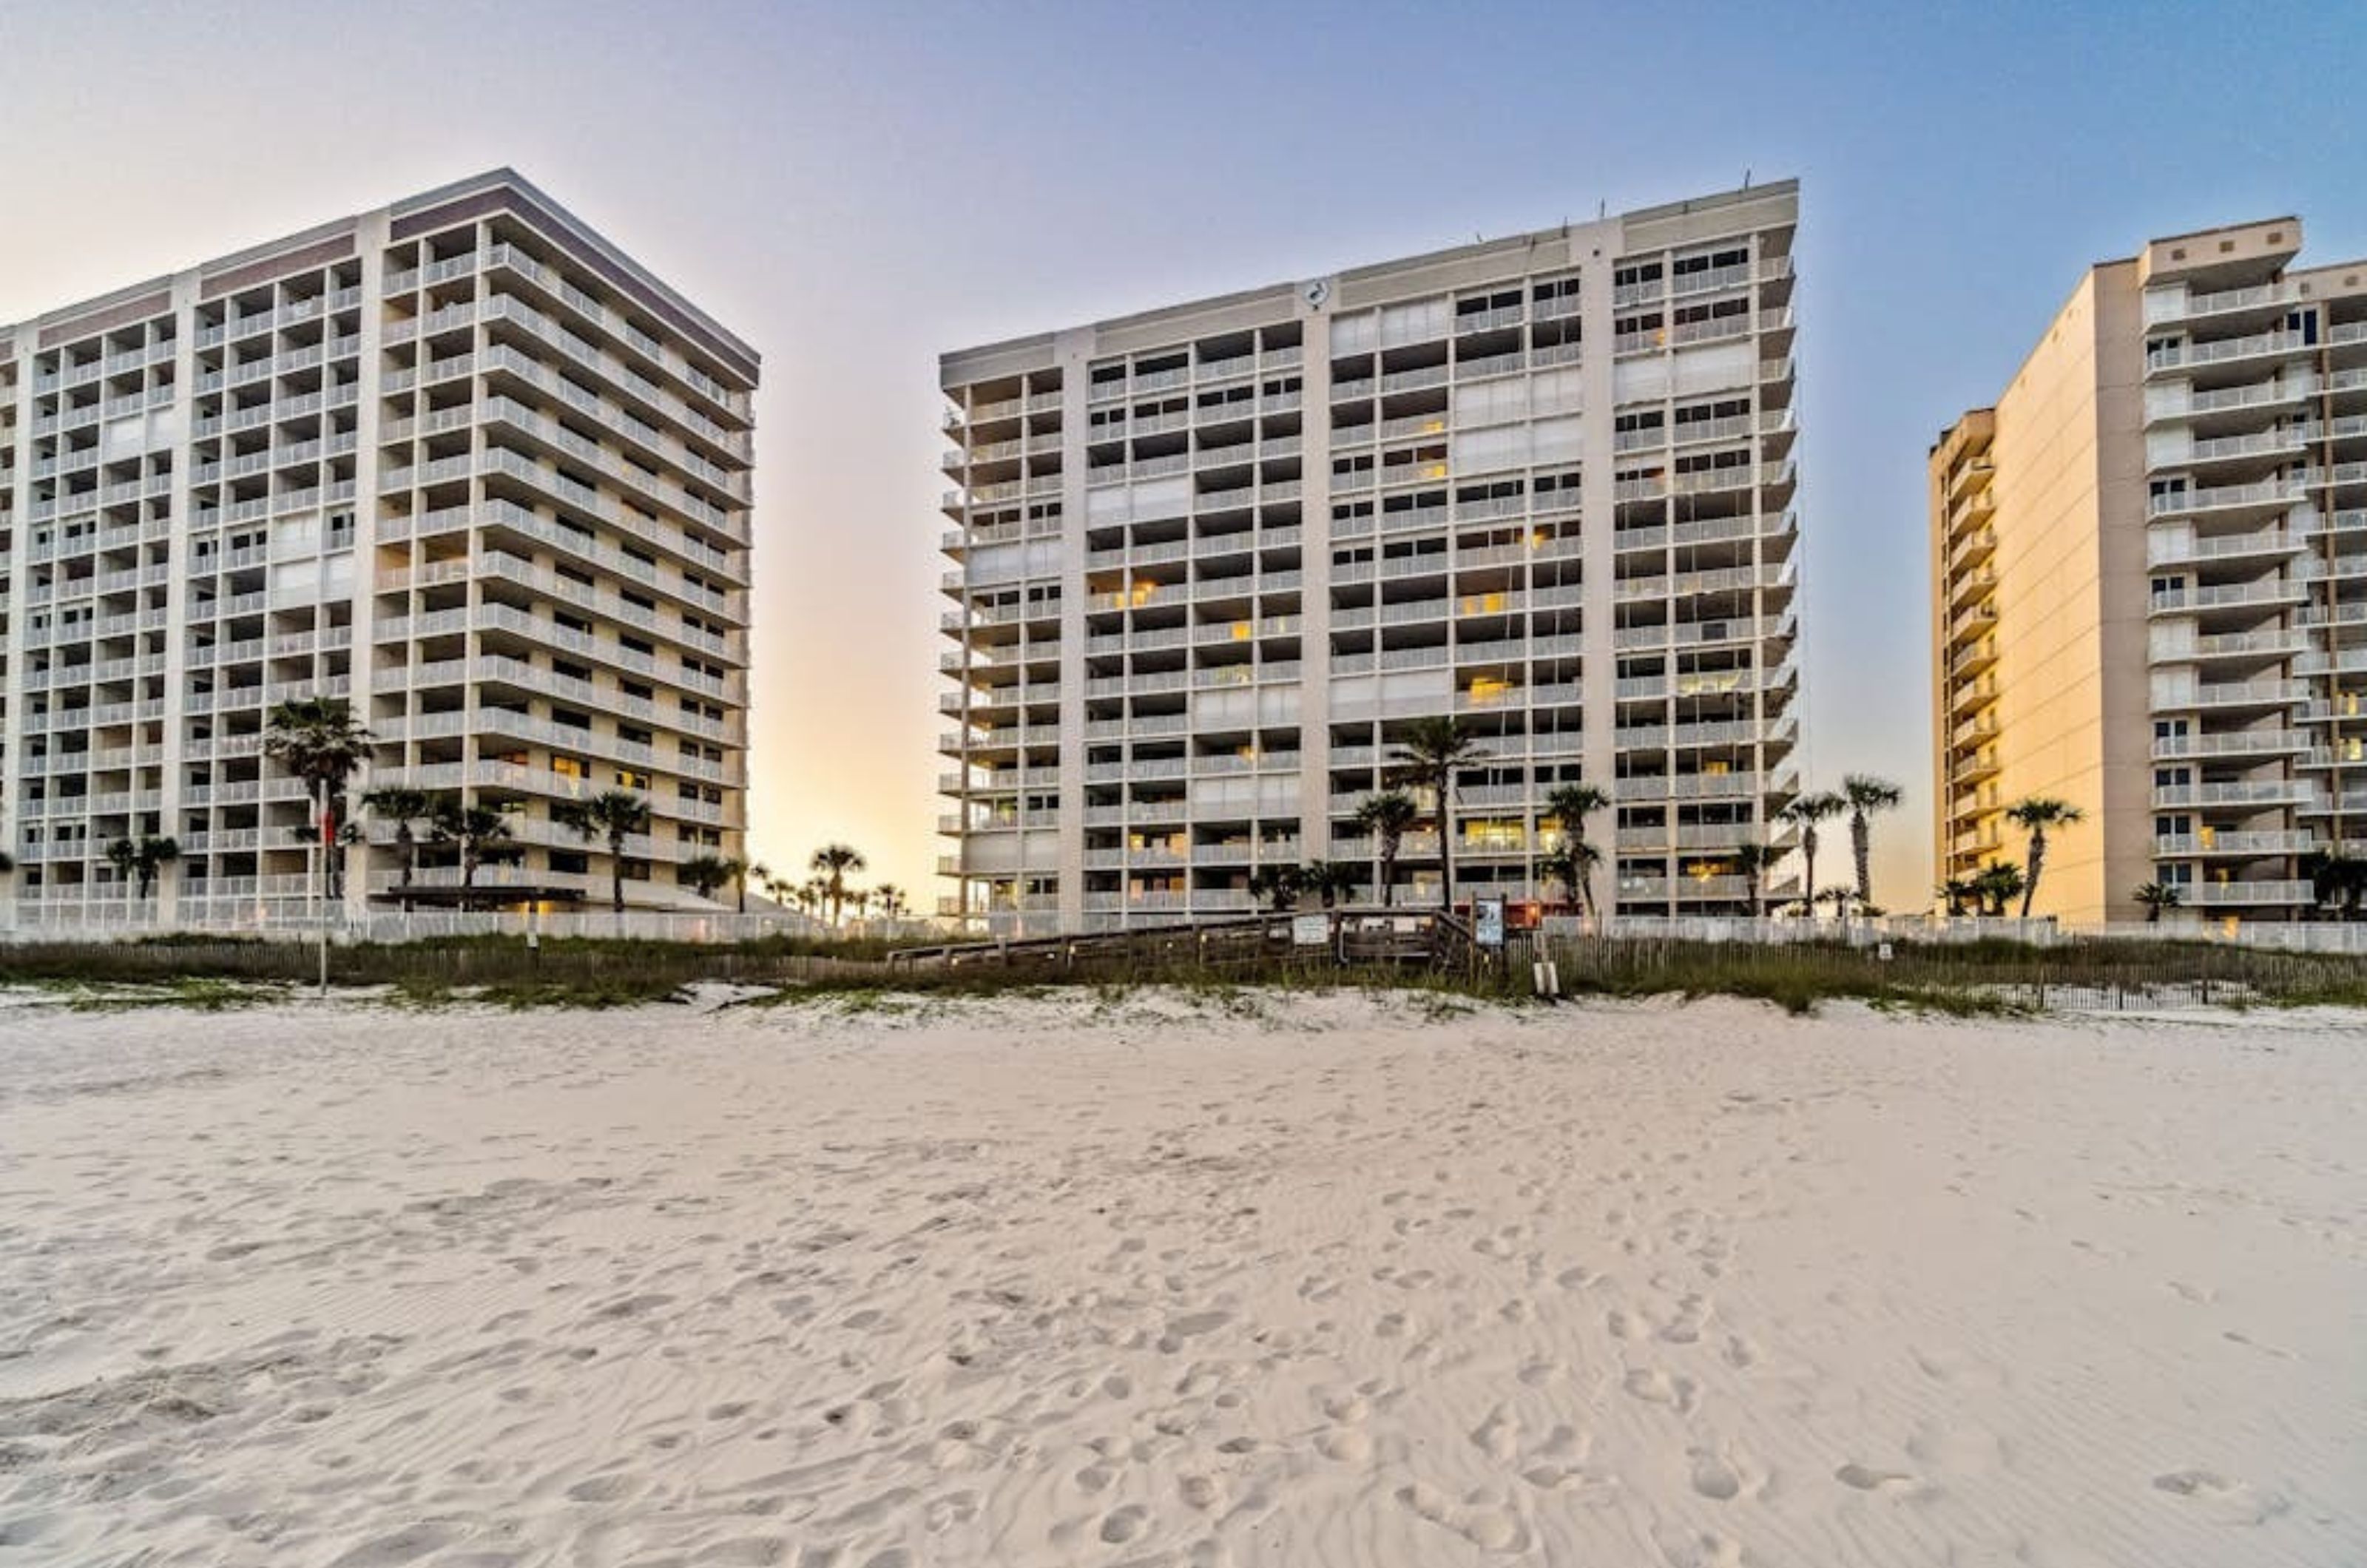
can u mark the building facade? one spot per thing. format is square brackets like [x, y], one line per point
[2150, 569]
[460, 462]
[1210, 561]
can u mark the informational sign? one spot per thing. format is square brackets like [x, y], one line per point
[1488, 923]
[1311, 930]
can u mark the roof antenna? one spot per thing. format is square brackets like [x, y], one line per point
[1602, 209]
[1745, 179]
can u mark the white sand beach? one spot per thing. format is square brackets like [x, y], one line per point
[1324, 1282]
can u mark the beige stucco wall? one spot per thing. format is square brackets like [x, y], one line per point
[2070, 595]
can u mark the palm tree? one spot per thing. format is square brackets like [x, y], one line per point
[2033, 815]
[1569, 806]
[743, 872]
[1958, 891]
[320, 742]
[704, 874]
[2154, 898]
[122, 854]
[2336, 879]
[779, 889]
[1386, 816]
[1807, 810]
[1433, 752]
[1997, 884]
[155, 855]
[1839, 896]
[1571, 863]
[1866, 795]
[1755, 861]
[833, 861]
[1329, 880]
[891, 901]
[613, 814]
[403, 807]
[475, 829]
[140, 860]
[1276, 884]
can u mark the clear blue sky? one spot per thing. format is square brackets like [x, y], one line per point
[855, 188]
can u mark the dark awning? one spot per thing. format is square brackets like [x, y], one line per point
[444, 893]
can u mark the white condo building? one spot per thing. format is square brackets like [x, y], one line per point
[459, 461]
[1210, 560]
[2150, 586]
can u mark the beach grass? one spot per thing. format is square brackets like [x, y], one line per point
[1978, 979]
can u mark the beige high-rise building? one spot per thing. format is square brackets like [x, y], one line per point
[1211, 560]
[460, 462]
[2150, 584]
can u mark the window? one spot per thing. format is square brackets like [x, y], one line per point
[1709, 262]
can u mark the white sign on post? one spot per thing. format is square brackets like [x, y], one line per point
[1488, 923]
[1311, 930]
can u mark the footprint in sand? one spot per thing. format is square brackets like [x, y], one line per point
[1715, 1478]
[1866, 1479]
[600, 1489]
[1347, 1408]
[1480, 1518]
[2233, 1502]
[954, 1508]
[1499, 1437]
[1346, 1445]
[1708, 1550]
[1656, 1387]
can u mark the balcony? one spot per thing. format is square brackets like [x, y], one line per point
[2178, 304]
[2173, 548]
[2240, 893]
[2245, 694]
[1973, 694]
[2250, 795]
[1975, 621]
[2223, 351]
[2240, 743]
[2265, 495]
[2230, 595]
[2232, 846]
[1976, 732]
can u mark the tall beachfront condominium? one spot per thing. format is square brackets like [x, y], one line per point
[2150, 568]
[460, 462]
[1212, 561]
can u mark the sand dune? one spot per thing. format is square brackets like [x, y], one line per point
[1329, 1281]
